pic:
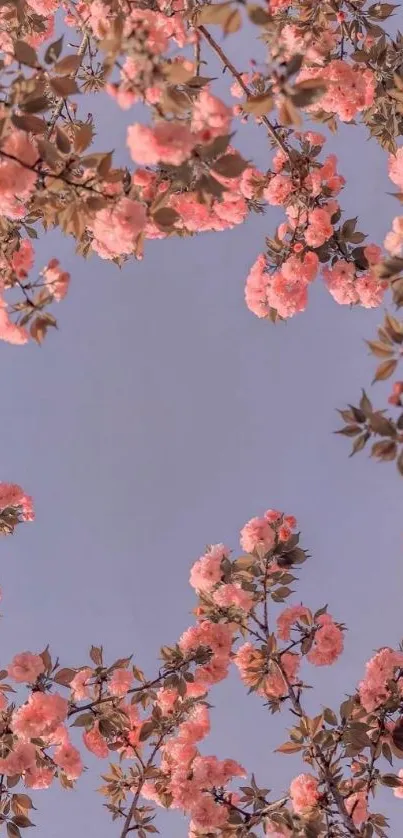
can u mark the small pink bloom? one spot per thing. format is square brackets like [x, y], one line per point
[39, 778]
[68, 758]
[357, 807]
[233, 595]
[95, 742]
[257, 533]
[304, 794]
[120, 682]
[22, 758]
[395, 167]
[80, 684]
[25, 668]
[289, 617]
[328, 644]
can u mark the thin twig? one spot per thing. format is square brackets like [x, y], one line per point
[60, 103]
[234, 72]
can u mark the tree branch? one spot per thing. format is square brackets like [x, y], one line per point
[60, 103]
[234, 72]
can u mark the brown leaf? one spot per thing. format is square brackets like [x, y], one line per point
[213, 13]
[23, 821]
[35, 104]
[47, 660]
[165, 217]
[307, 92]
[64, 86]
[177, 73]
[385, 370]
[83, 135]
[199, 81]
[381, 425]
[397, 735]
[233, 22]
[68, 64]
[330, 717]
[365, 404]
[379, 349]
[381, 11]
[96, 655]
[53, 51]
[84, 720]
[288, 114]
[289, 748]
[349, 430]
[23, 801]
[257, 14]
[65, 676]
[48, 152]
[391, 780]
[399, 463]
[25, 54]
[62, 141]
[359, 443]
[39, 327]
[258, 105]
[230, 165]
[29, 122]
[385, 450]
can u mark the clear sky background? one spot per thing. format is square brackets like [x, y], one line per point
[160, 418]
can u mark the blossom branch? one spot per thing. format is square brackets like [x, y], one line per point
[230, 66]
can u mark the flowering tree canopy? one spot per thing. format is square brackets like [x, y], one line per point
[151, 728]
[324, 63]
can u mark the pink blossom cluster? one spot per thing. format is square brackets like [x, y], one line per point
[293, 41]
[190, 778]
[56, 280]
[25, 668]
[357, 806]
[173, 142]
[270, 679]
[393, 241]
[379, 672]
[349, 288]
[152, 32]
[116, 228]
[348, 89]
[262, 534]
[41, 717]
[290, 617]
[395, 167]
[309, 211]
[18, 155]
[304, 794]
[206, 571]
[396, 394]
[12, 496]
[9, 331]
[311, 214]
[22, 259]
[218, 637]
[328, 642]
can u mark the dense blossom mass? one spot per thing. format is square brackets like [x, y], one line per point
[152, 730]
[329, 62]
